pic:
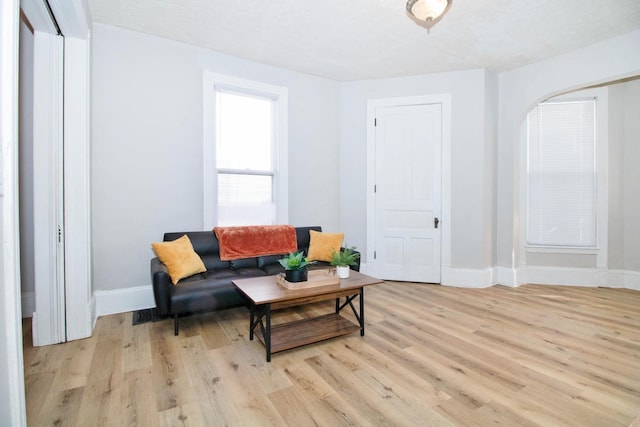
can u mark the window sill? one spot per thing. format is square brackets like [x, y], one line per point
[562, 249]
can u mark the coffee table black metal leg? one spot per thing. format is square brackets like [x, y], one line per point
[267, 334]
[252, 311]
[361, 312]
[349, 301]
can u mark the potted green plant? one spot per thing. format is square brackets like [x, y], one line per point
[344, 259]
[295, 265]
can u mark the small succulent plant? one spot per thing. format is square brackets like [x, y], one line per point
[294, 261]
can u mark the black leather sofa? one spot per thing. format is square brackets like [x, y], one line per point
[213, 290]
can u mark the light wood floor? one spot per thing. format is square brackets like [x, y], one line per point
[431, 356]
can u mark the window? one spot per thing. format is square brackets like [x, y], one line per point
[562, 174]
[245, 153]
[244, 159]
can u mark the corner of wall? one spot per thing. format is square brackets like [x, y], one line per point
[506, 276]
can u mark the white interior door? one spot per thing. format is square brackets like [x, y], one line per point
[408, 165]
[64, 304]
[49, 322]
[46, 167]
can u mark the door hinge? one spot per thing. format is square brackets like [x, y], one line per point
[59, 234]
[375, 254]
[375, 188]
[375, 122]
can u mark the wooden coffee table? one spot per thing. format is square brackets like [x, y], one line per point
[265, 295]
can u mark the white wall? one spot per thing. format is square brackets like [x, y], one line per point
[631, 191]
[490, 169]
[624, 175]
[626, 106]
[147, 147]
[523, 88]
[471, 157]
[616, 177]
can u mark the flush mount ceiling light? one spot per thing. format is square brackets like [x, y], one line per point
[427, 13]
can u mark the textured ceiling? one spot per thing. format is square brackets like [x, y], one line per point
[364, 39]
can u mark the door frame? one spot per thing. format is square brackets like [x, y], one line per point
[12, 406]
[445, 101]
[77, 20]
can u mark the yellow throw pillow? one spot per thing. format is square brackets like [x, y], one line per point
[321, 245]
[179, 257]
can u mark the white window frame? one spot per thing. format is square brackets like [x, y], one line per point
[602, 176]
[213, 82]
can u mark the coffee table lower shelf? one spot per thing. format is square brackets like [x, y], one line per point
[301, 332]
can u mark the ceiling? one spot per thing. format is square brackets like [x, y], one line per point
[368, 39]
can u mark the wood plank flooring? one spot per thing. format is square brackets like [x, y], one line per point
[431, 356]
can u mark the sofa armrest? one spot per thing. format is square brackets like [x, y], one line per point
[162, 286]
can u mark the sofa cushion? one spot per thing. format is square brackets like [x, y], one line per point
[213, 262]
[194, 278]
[271, 269]
[269, 260]
[244, 263]
[220, 274]
[249, 272]
[179, 258]
[322, 245]
[210, 294]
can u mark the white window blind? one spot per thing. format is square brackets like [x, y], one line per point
[245, 159]
[561, 174]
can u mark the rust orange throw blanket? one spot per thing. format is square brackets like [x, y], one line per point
[253, 241]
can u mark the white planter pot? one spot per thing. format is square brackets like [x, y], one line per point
[343, 271]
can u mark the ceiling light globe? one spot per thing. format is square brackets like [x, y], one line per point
[427, 12]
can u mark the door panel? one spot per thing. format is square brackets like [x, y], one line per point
[49, 318]
[408, 142]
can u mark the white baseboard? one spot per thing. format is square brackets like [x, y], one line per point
[506, 276]
[632, 280]
[538, 275]
[123, 300]
[458, 277]
[588, 277]
[466, 277]
[615, 279]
